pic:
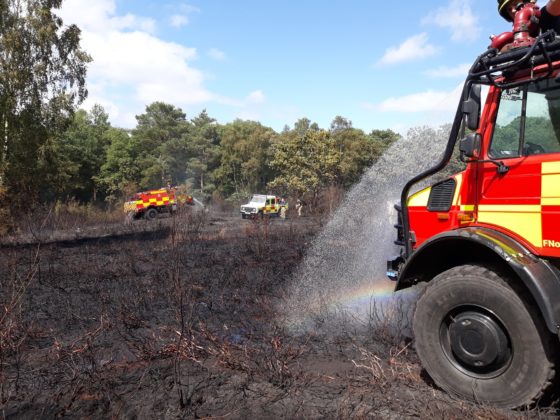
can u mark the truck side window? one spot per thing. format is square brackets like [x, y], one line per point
[542, 124]
[530, 115]
[505, 141]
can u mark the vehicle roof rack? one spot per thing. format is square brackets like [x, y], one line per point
[492, 65]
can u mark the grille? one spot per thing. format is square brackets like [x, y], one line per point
[441, 195]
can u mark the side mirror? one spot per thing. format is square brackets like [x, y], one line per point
[471, 108]
[470, 145]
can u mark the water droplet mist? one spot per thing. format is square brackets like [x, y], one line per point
[344, 269]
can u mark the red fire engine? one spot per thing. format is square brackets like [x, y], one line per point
[486, 242]
[149, 204]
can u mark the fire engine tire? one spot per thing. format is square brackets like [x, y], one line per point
[480, 340]
[151, 214]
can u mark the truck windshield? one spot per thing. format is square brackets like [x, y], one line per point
[259, 199]
[528, 121]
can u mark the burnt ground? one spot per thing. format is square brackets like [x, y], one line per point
[177, 319]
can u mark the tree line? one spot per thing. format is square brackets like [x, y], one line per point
[98, 162]
[51, 150]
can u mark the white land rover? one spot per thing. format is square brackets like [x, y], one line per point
[261, 205]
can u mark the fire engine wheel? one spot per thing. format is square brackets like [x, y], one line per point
[479, 340]
[151, 214]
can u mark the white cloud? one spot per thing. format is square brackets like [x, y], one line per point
[414, 48]
[458, 18]
[181, 18]
[429, 108]
[187, 8]
[256, 97]
[95, 96]
[427, 101]
[131, 67]
[177, 21]
[216, 54]
[248, 115]
[163, 74]
[99, 16]
[449, 72]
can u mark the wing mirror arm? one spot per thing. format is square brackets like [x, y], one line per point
[502, 167]
[470, 149]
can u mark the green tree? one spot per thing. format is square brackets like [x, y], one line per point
[381, 140]
[305, 163]
[339, 124]
[120, 172]
[356, 154]
[358, 151]
[303, 125]
[203, 149]
[42, 75]
[160, 139]
[85, 145]
[245, 157]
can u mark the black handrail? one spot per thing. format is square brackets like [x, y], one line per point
[439, 166]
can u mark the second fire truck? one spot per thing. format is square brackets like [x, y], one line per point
[150, 204]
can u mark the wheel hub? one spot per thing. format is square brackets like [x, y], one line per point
[478, 342]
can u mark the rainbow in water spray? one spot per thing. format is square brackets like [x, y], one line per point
[364, 295]
[359, 300]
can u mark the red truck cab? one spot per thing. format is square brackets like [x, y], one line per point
[513, 186]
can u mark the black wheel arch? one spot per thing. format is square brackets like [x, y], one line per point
[484, 246]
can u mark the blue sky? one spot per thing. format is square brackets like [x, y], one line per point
[393, 66]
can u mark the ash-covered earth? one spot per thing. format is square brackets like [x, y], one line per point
[189, 317]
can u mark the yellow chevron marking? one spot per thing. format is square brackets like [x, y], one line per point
[550, 168]
[523, 220]
[550, 186]
[419, 199]
[555, 201]
[457, 197]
